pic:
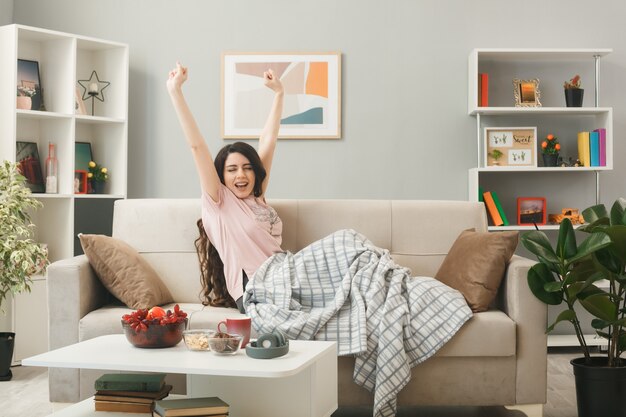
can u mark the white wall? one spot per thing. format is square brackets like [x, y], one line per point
[6, 12]
[406, 133]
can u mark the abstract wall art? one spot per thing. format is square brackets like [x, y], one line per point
[312, 101]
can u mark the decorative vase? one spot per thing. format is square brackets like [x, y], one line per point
[574, 97]
[550, 159]
[24, 102]
[600, 390]
[97, 187]
[7, 342]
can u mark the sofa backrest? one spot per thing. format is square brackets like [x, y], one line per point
[418, 233]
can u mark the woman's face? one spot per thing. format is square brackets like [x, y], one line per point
[238, 175]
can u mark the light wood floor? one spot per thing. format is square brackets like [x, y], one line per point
[26, 395]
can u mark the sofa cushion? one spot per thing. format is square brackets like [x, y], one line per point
[124, 272]
[475, 265]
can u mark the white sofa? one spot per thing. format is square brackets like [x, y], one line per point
[498, 358]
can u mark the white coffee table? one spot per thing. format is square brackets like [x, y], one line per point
[301, 383]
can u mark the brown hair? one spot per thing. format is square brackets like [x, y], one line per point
[252, 155]
[212, 278]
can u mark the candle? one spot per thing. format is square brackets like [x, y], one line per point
[93, 88]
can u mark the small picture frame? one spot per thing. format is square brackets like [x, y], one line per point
[29, 82]
[80, 181]
[82, 156]
[79, 104]
[511, 147]
[27, 157]
[526, 93]
[531, 211]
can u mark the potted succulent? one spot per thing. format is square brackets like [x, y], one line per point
[550, 148]
[20, 256]
[495, 155]
[573, 92]
[24, 97]
[592, 274]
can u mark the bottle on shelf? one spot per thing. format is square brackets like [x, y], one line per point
[51, 170]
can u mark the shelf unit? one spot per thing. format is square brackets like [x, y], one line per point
[63, 59]
[577, 187]
[562, 186]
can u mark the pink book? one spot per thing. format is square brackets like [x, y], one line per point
[602, 147]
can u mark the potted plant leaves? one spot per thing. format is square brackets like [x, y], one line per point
[592, 275]
[495, 155]
[21, 257]
[573, 93]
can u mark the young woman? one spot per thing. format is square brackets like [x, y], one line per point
[238, 230]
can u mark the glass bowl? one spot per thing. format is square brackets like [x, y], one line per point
[225, 343]
[197, 339]
[156, 335]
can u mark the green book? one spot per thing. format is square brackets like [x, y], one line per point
[496, 200]
[130, 382]
[480, 195]
[202, 406]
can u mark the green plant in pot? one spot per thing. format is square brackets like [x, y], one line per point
[21, 256]
[593, 275]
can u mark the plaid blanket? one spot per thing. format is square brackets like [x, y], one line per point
[345, 289]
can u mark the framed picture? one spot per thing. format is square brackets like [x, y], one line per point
[312, 101]
[526, 93]
[79, 104]
[531, 211]
[82, 156]
[510, 147]
[29, 83]
[80, 181]
[27, 156]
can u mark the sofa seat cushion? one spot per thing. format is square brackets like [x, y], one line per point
[490, 333]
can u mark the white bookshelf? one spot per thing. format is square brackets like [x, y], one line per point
[552, 67]
[63, 59]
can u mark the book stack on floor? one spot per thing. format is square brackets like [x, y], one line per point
[191, 407]
[130, 393]
[495, 212]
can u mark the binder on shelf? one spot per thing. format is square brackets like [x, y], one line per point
[594, 148]
[583, 149]
[496, 200]
[483, 90]
[602, 145]
[492, 209]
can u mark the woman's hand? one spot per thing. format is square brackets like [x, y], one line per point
[176, 78]
[272, 82]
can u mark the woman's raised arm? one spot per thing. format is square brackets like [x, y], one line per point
[269, 134]
[209, 180]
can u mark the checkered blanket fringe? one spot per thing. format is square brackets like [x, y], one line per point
[345, 289]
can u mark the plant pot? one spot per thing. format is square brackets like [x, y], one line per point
[97, 187]
[574, 97]
[24, 102]
[7, 342]
[550, 159]
[600, 390]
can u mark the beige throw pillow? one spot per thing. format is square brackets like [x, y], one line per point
[475, 265]
[124, 272]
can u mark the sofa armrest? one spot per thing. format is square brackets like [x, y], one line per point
[530, 316]
[73, 291]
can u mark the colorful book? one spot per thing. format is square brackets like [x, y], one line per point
[583, 149]
[505, 221]
[602, 145]
[130, 382]
[123, 407]
[480, 194]
[202, 406]
[594, 148]
[484, 89]
[492, 209]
